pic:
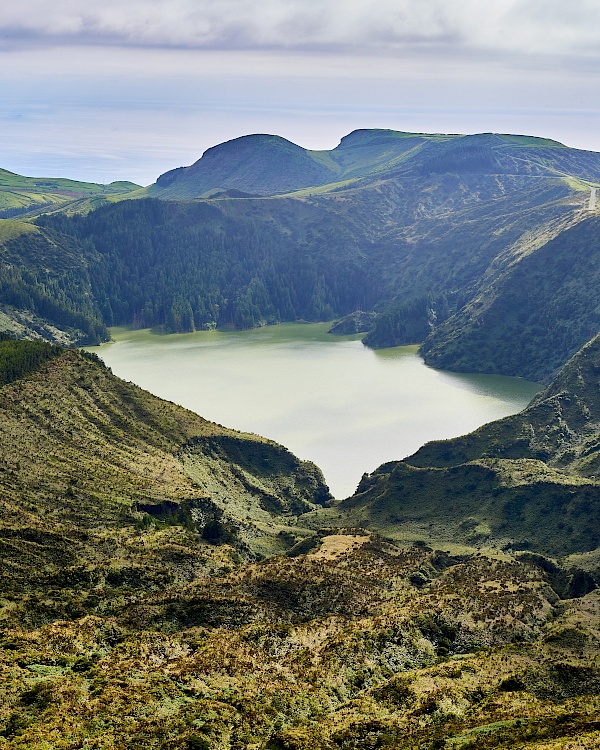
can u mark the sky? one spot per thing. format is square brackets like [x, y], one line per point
[128, 89]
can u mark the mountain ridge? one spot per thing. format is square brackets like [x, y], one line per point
[361, 154]
[435, 233]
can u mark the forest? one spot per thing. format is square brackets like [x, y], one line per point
[477, 247]
[187, 267]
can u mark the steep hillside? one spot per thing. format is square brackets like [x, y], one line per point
[45, 286]
[530, 481]
[531, 315]
[189, 265]
[103, 486]
[248, 261]
[559, 427]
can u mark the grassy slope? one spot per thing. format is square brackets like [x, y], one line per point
[124, 627]
[20, 195]
[529, 481]
[255, 164]
[101, 481]
[11, 229]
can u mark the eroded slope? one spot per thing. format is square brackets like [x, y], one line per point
[103, 486]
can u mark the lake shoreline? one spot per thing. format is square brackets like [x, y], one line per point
[327, 398]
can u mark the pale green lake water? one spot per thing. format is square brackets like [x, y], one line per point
[326, 398]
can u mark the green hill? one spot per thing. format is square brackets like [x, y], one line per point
[530, 481]
[30, 195]
[269, 165]
[256, 164]
[472, 239]
[247, 262]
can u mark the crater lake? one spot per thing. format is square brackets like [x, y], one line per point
[329, 399]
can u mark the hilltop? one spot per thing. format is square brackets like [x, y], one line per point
[270, 165]
[462, 243]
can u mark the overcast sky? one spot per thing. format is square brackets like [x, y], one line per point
[128, 89]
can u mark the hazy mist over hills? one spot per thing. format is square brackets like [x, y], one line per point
[127, 90]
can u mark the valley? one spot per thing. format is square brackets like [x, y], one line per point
[433, 234]
[327, 398]
[168, 582]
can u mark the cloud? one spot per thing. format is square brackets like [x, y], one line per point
[549, 27]
[130, 88]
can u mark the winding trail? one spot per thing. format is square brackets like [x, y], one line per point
[592, 204]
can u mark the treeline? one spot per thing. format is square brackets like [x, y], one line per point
[187, 266]
[19, 358]
[46, 275]
[411, 320]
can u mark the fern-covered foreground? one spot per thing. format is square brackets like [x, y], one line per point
[341, 647]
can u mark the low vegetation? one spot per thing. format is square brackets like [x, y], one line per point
[530, 481]
[350, 649]
[169, 583]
